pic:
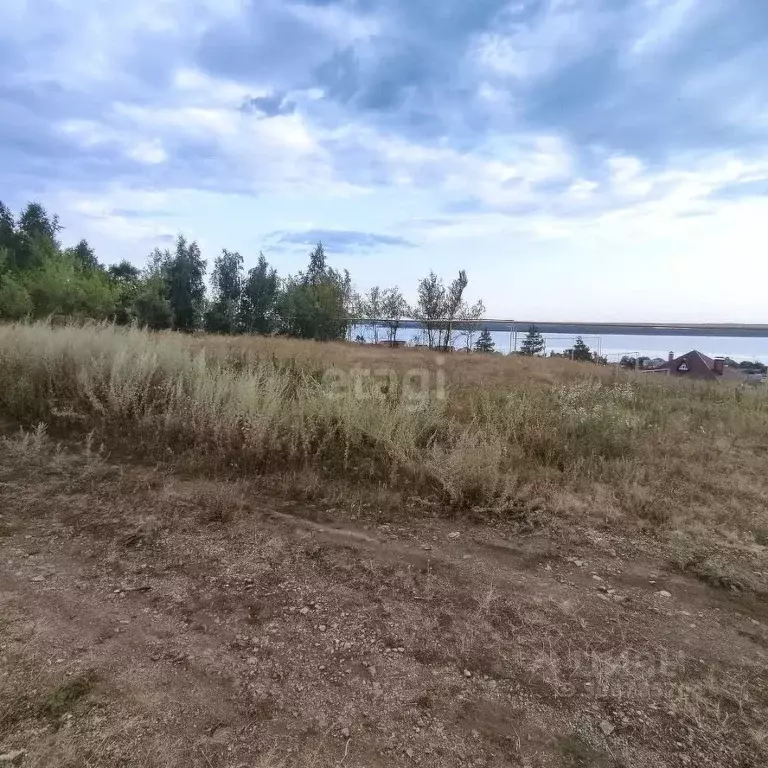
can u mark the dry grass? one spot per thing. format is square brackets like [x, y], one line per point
[483, 431]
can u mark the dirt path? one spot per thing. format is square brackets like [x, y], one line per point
[149, 620]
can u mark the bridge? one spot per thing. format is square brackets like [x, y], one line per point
[726, 330]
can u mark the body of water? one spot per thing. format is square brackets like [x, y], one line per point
[615, 346]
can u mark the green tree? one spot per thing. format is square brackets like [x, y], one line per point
[149, 305]
[628, 361]
[468, 315]
[15, 302]
[452, 307]
[372, 309]
[533, 343]
[124, 272]
[35, 240]
[313, 311]
[7, 229]
[580, 351]
[33, 251]
[315, 304]
[259, 297]
[439, 308]
[34, 221]
[394, 308]
[183, 273]
[222, 314]
[430, 305]
[126, 279]
[316, 270]
[61, 287]
[84, 255]
[485, 342]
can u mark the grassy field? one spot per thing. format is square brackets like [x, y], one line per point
[496, 536]
[466, 431]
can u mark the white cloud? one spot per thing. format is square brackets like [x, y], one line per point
[194, 86]
[101, 35]
[582, 189]
[537, 186]
[627, 176]
[90, 134]
[149, 152]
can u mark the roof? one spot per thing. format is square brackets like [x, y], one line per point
[696, 365]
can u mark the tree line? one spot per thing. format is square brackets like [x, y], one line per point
[40, 278]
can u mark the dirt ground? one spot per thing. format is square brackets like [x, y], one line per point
[154, 619]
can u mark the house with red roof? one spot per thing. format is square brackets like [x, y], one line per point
[695, 365]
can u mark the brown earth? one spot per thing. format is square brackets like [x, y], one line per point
[153, 619]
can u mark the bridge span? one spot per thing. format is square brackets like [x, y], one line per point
[725, 330]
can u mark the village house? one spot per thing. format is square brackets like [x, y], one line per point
[695, 365]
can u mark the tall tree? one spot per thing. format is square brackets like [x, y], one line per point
[7, 229]
[126, 279]
[470, 314]
[258, 303]
[184, 277]
[315, 304]
[439, 307]
[372, 308]
[431, 302]
[222, 314]
[394, 308]
[485, 342]
[452, 306]
[533, 343]
[316, 270]
[35, 239]
[34, 221]
[83, 255]
[124, 272]
[313, 311]
[150, 307]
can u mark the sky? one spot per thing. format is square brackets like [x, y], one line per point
[581, 159]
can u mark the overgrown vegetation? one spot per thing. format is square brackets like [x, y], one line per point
[487, 431]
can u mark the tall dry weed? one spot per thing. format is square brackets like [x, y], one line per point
[264, 405]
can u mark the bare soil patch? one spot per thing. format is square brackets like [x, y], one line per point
[153, 619]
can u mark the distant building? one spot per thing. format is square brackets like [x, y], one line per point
[695, 365]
